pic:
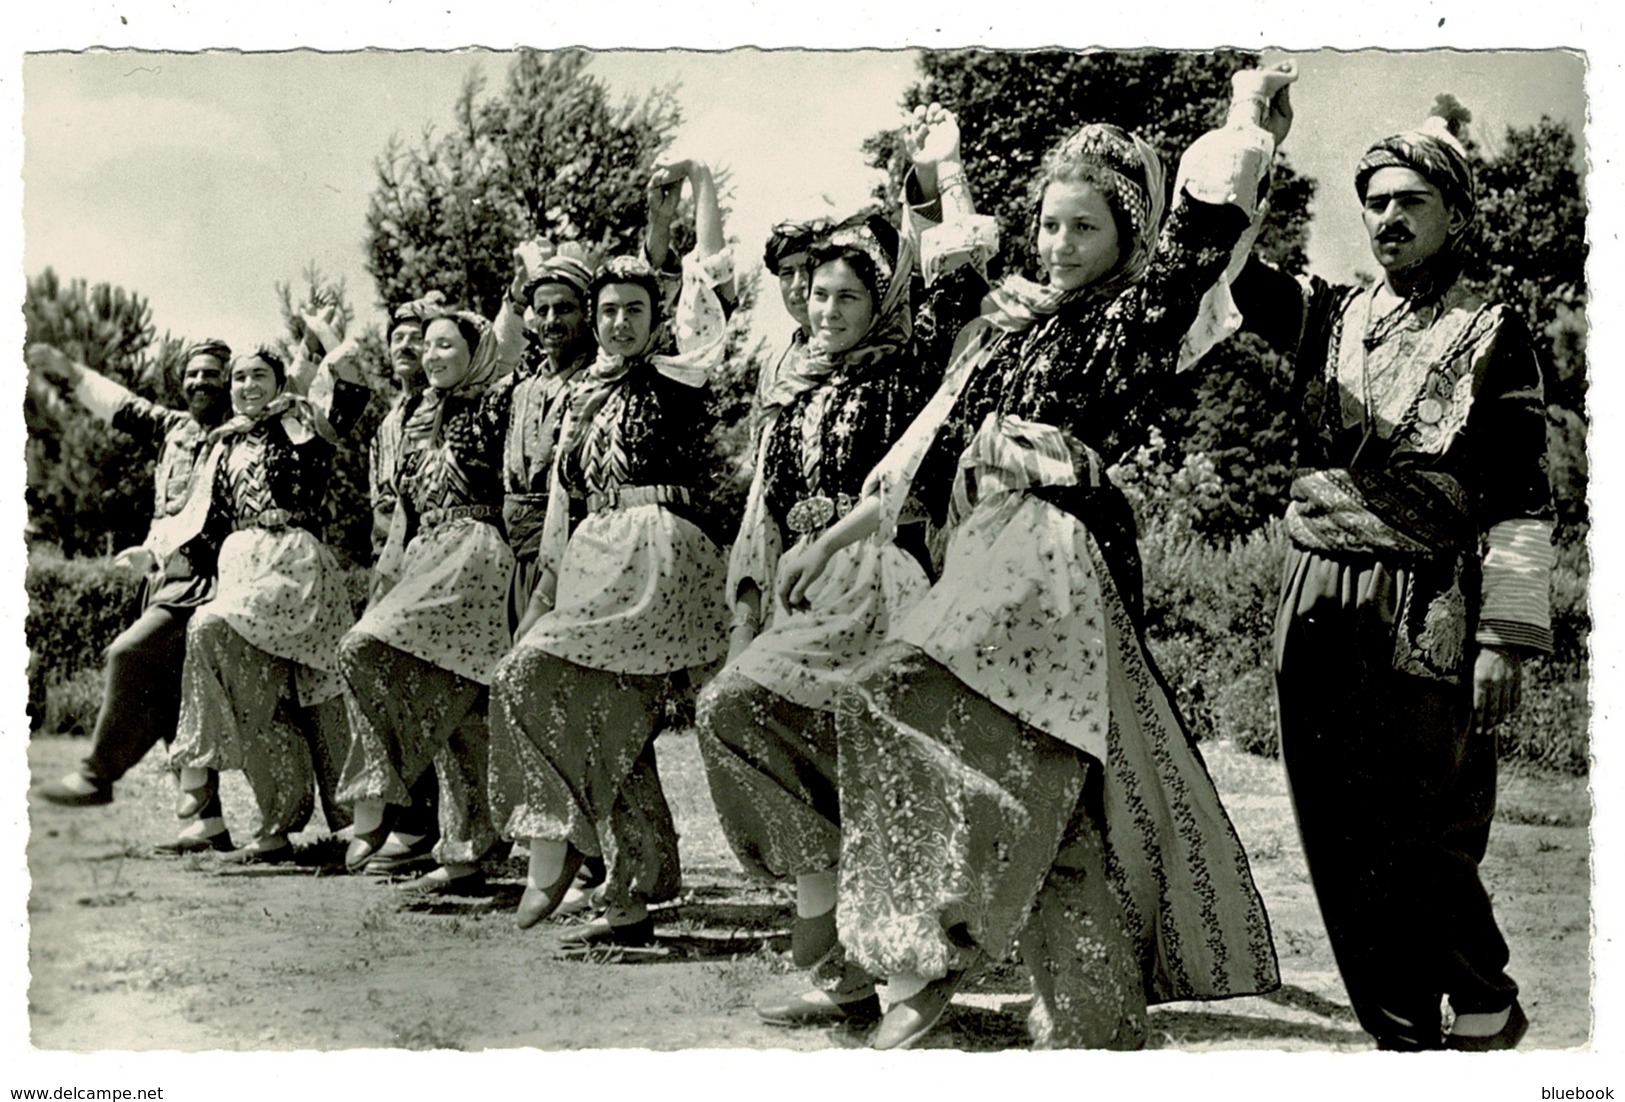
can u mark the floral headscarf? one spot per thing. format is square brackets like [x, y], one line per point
[870, 234]
[424, 423]
[1131, 174]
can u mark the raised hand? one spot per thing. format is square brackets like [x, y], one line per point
[931, 135]
[50, 362]
[1261, 97]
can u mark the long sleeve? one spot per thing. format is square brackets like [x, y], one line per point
[1505, 442]
[125, 410]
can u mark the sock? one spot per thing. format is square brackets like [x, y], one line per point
[1480, 1025]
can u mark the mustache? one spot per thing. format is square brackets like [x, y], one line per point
[1395, 235]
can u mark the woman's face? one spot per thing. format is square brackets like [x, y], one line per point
[446, 355]
[624, 318]
[1077, 236]
[253, 385]
[839, 306]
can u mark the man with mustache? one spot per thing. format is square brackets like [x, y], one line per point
[560, 347]
[142, 692]
[1417, 581]
[410, 846]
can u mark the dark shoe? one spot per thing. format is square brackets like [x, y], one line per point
[364, 845]
[261, 851]
[395, 857]
[815, 1008]
[910, 1020]
[537, 903]
[811, 939]
[1507, 1037]
[65, 795]
[439, 882]
[219, 842]
[601, 934]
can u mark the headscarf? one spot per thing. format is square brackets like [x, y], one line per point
[1433, 151]
[1131, 174]
[690, 365]
[791, 237]
[424, 423]
[302, 420]
[209, 346]
[869, 233]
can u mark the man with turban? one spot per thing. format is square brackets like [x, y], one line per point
[1416, 582]
[142, 692]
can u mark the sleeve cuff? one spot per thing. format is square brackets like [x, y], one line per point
[1227, 167]
[1510, 633]
[1517, 606]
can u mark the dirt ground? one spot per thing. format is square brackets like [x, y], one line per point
[130, 951]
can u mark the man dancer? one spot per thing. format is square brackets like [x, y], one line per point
[1417, 579]
[142, 694]
[410, 846]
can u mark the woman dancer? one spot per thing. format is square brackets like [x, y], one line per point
[767, 726]
[1010, 763]
[576, 705]
[419, 660]
[281, 607]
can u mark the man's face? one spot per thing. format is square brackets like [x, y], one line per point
[558, 320]
[406, 350]
[795, 279]
[1406, 218]
[203, 382]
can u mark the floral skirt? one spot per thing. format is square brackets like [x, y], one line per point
[771, 765]
[572, 759]
[283, 592]
[806, 656]
[954, 809]
[450, 606]
[639, 592]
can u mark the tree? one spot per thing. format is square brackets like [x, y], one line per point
[548, 155]
[89, 488]
[1528, 249]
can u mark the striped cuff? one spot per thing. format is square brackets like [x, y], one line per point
[1517, 607]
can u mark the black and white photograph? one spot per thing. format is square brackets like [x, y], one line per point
[554, 555]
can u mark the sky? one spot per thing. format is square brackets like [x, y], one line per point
[201, 181]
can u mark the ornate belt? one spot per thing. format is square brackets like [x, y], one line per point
[449, 513]
[625, 497]
[813, 514]
[274, 519]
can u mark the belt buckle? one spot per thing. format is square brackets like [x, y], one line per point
[275, 518]
[810, 514]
